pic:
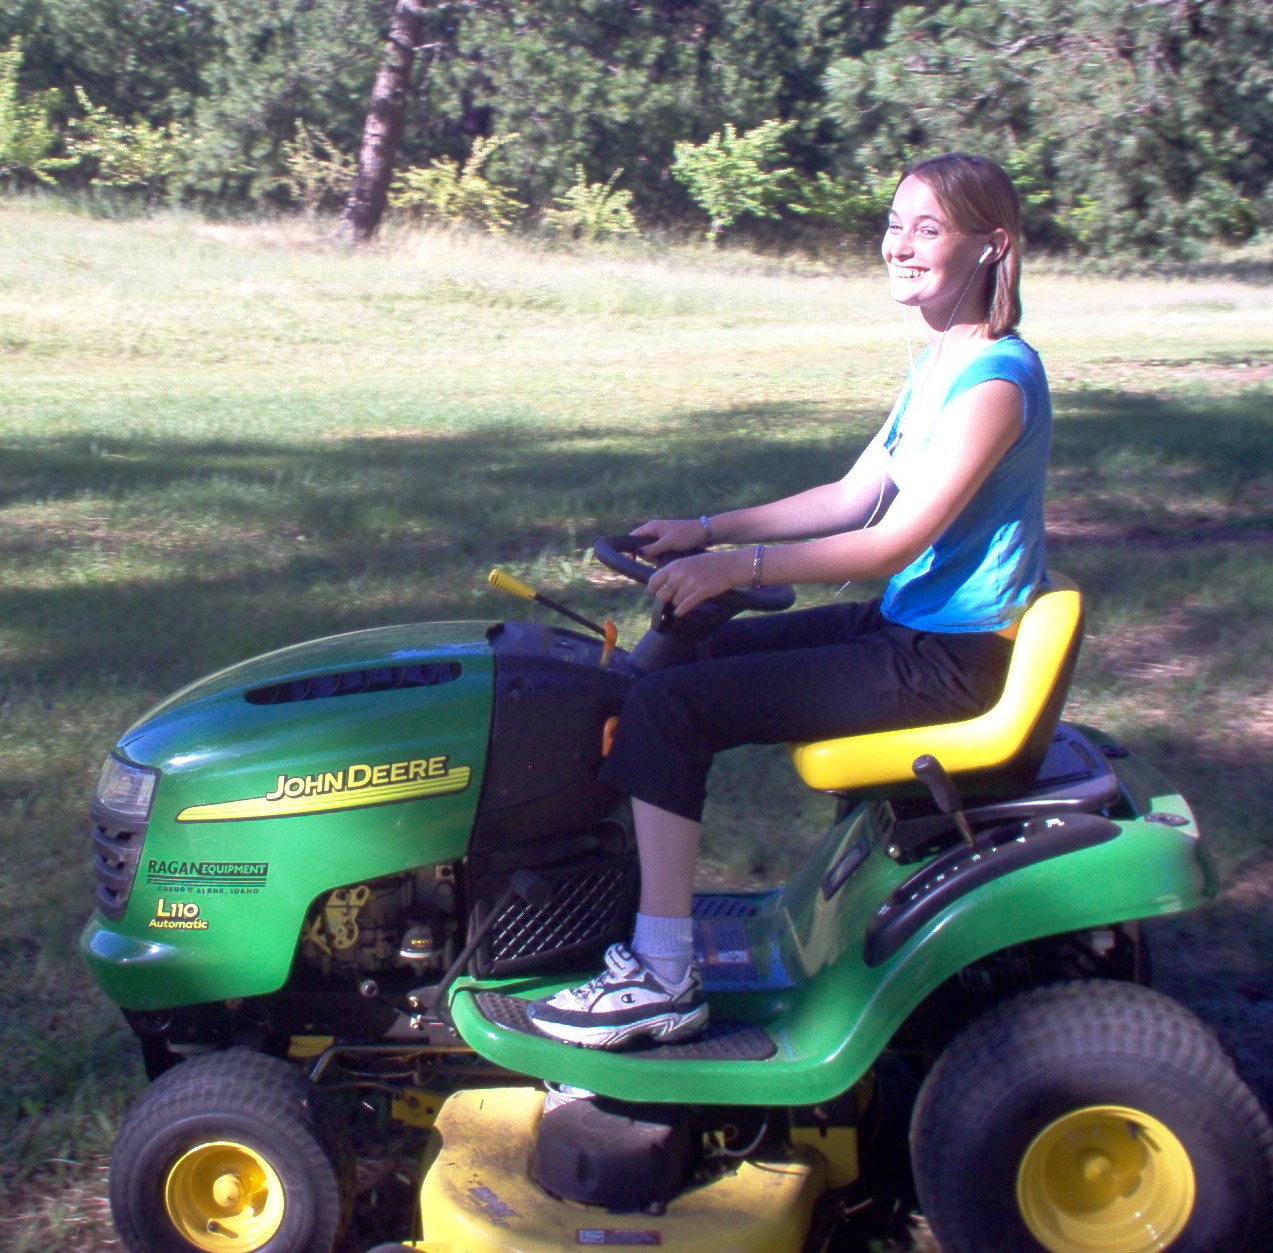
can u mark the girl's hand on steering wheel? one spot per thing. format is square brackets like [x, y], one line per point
[668, 535]
[689, 581]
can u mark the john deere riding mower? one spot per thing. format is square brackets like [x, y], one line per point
[346, 867]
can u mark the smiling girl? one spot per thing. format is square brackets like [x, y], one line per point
[946, 502]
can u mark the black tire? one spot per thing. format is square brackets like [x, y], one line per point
[234, 1141]
[1063, 1103]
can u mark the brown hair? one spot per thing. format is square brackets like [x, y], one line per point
[980, 198]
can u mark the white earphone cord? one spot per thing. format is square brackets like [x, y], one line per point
[986, 252]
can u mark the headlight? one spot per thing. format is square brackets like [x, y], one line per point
[125, 791]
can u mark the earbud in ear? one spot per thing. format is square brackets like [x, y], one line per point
[986, 252]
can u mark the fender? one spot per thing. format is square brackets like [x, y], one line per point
[843, 996]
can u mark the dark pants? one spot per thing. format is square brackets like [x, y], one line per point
[809, 675]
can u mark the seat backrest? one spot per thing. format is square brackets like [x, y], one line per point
[991, 753]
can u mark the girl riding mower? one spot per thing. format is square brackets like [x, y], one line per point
[350, 866]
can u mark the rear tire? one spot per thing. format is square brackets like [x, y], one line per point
[229, 1151]
[1091, 1117]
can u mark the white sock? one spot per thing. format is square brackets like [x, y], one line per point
[665, 946]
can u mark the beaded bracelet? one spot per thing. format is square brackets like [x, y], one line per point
[706, 523]
[756, 563]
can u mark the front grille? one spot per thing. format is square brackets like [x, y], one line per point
[116, 855]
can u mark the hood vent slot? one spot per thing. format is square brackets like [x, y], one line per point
[356, 682]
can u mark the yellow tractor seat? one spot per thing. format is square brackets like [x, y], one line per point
[999, 749]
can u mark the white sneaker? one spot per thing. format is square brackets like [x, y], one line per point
[558, 1094]
[626, 1002]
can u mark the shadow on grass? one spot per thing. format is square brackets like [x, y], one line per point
[416, 512]
[1152, 456]
[292, 542]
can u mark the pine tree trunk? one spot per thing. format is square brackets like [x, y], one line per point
[365, 205]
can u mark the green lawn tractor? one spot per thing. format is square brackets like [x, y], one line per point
[345, 868]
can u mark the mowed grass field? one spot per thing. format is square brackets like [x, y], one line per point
[220, 439]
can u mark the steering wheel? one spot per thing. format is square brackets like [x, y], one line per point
[615, 553]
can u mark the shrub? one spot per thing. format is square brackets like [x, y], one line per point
[727, 174]
[591, 211]
[128, 154]
[314, 168]
[856, 208]
[457, 191]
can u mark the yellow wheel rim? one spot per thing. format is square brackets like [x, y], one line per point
[1105, 1179]
[223, 1196]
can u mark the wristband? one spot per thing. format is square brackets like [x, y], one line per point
[706, 523]
[756, 562]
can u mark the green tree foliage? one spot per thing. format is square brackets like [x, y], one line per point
[730, 175]
[593, 211]
[609, 83]
[1130, 126]
[235, 72]
[128, 154]
[27, 137]
[457, 191]
[135, 58]
[277, 61]
[855, 205]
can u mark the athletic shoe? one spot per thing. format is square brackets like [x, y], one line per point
[558, 1094]
[625, 1003]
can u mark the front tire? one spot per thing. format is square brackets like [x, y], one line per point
[229, 1152]
[1091, 1117]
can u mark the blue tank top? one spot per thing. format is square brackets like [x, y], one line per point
[982, 571]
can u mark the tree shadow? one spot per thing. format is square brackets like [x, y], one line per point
[399, 507]
[1104, 434]
[294, 534]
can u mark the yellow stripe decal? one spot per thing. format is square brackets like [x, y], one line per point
[329, 801]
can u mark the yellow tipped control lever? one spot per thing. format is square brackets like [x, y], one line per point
[504, 582]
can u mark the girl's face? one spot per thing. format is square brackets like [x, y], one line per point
[931, 263]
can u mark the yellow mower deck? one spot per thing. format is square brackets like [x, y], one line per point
[477, 1195]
